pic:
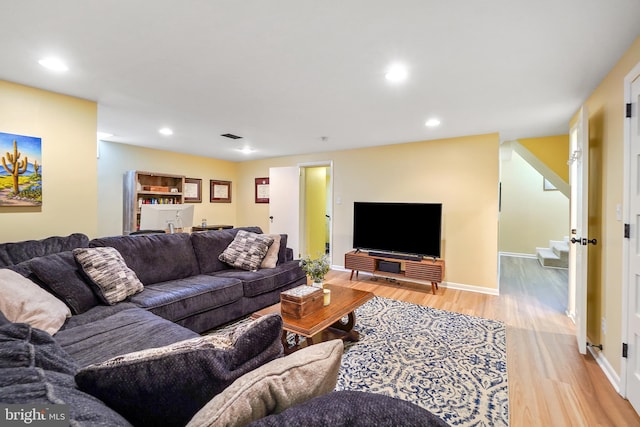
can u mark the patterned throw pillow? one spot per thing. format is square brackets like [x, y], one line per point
[247, 250]
[108, 273]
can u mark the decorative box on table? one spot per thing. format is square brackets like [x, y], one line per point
[301, 301]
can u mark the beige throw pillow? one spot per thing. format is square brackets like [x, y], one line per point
[22, 301]
[271, 258]
[274, 387]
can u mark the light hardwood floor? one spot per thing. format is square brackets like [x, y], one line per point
[550, 383]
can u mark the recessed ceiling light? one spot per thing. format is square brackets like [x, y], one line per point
[53, 64]
[166, 131]
[246, 150]
[102, 135]
[396, 73]
[433, 122]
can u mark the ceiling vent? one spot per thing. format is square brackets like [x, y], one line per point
[230, 135]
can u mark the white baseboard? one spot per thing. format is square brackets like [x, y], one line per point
[450, 285]
[517, 255]
[606, 367]
[470, 288]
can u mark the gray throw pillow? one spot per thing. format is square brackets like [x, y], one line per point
[61, 274]
[274, 387]
[247, 250]
[35, 371]
[168, 385]
[113, 281]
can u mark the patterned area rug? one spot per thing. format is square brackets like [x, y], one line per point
[452, 364]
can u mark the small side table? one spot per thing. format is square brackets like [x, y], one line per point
[210, 227]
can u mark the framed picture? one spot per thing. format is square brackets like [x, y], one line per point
[192, 190]
[20, 170]
[220, 191]
[262, 190]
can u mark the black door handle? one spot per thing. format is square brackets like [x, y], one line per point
[584, 241]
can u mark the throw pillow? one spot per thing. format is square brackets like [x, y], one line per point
[247, 250]
[22, 301]
[168, 385]
[113, 281]
[271, 258]
[35, 372]
[275, 386]
[61, 274]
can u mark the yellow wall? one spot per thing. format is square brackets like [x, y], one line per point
[462, 173]
[530, 217]
[606, 139]
[553, 151]
[115, 159]
[67, 127]
[315, 210]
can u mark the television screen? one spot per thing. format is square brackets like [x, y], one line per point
[405, 228]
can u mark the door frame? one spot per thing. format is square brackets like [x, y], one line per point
[579, 226]
[626, 219]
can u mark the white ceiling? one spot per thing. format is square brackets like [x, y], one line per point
[285, 73]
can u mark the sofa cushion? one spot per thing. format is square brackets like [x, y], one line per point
[155, 257]
[271, 258]
[352, 409]
[265, 280]
[167, 386]
[107, 331]
[112, 280]
[178, 299]
[22, 301]
[60, 273]
[14, 253]
[35, 371]
[247, 250]
[274, 387]
[209, 245]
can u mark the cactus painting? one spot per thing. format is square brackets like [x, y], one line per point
[20, 170]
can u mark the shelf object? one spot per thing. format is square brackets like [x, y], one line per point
[426, 271]
[211, 227]
[148, 188]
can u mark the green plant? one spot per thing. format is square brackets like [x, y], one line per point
[315, 268]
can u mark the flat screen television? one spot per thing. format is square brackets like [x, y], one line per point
[398, 228]
[165, 217]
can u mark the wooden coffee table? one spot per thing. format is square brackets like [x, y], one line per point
[325, 324]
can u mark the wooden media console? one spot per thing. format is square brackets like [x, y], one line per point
[426, 271]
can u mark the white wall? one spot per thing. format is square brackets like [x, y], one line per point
[529, 216]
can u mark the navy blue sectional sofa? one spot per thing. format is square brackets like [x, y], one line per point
[187, 290]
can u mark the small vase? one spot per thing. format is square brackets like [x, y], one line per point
[317, 283]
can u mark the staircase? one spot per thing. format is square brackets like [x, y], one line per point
[556, 255]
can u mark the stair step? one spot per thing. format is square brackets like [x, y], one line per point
[560, 248]
[548, 258]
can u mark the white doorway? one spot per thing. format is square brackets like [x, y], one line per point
[301, 206]
[630, 372]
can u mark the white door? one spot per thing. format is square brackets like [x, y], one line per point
[579, 223]
[284, 205]
[632, 275]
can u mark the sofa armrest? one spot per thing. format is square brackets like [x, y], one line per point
[288, 254]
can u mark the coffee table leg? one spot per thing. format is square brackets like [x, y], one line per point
[347, 327]
[288, 349]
